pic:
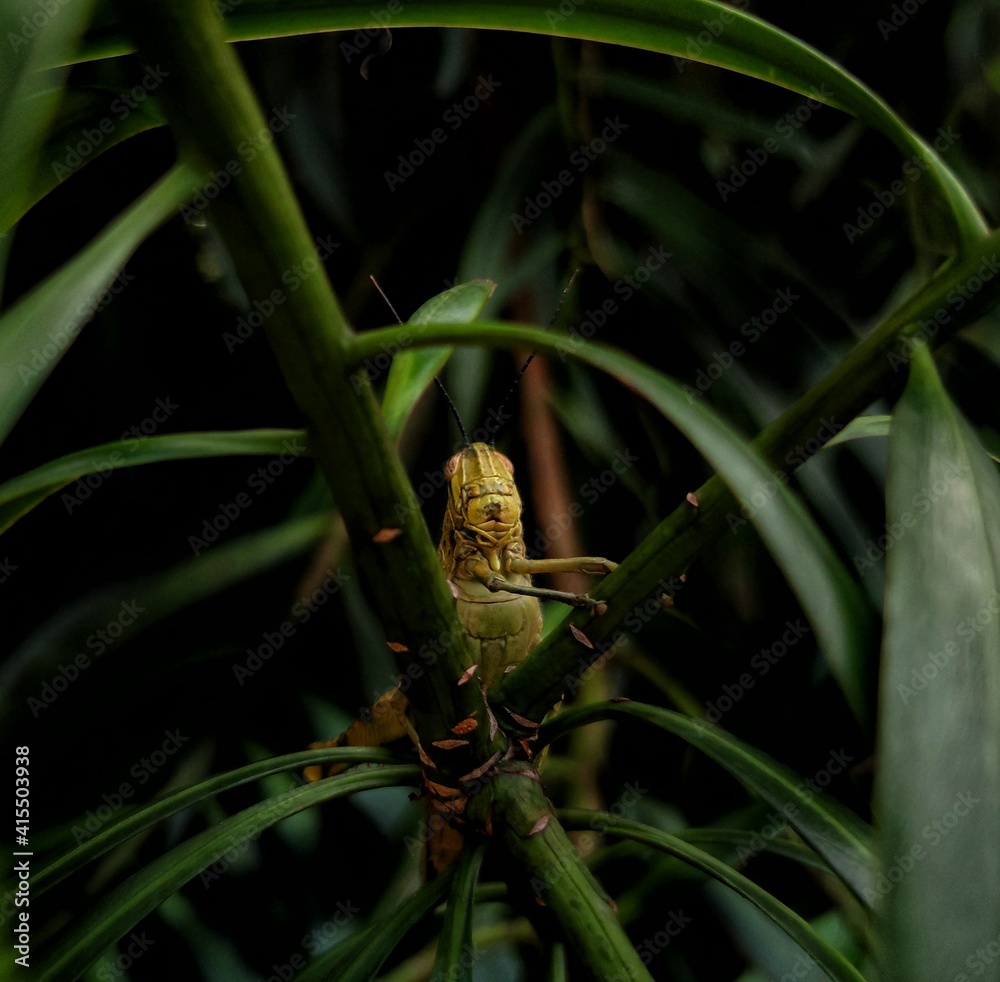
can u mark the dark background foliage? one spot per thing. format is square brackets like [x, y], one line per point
[656, 187]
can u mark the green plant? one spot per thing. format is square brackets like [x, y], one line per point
[915, 899]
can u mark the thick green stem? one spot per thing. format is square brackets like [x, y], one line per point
[870, 370]
[215, 117]
[522, 815]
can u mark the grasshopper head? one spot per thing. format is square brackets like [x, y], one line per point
[483, 497]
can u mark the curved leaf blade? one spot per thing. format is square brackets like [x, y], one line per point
[159, 810]
[836, 833]
[798, 930]
[830, 597]
[741, 42]
[37, 330]
[454, 958]
[413, 368]
[938, 784]
[20, 494]
[122, 908]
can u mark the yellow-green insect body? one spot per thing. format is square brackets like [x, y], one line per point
[481, 551]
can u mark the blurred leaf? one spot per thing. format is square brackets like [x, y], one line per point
[121, 909]
[413, 369]
[938, 785]
[146, 816]
[860, 427]
[149, 599]
[360, 957]
[455, 957]
[837, 834]
[30, 94]
[829, 596]
[20, 494]
[741, 42]
[808, 941]
[40, 327]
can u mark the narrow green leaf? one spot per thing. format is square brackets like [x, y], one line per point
[121, 909]
[413, 368]
[829, 596]
[371, 949]
[809, 942]
[96, 844]
[20, 494]
[938, 783]
[740, 42]
[149, 599]
[836, 833]
[40, 327]
[455, 956]
[29, 94]
[861, 427]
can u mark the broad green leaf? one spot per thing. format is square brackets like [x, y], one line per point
[831, 599]
[95, 843]
[455, 958]
[836, 834]
[36, 332]
[35, 36]
[20, 494]
[413, 368]
[739, 41]
[120, 910]
[938, 782]
[808, 941]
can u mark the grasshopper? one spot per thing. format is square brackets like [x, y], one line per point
[483, 557]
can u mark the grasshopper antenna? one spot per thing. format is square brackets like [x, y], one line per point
[524, 367]
[440, 384]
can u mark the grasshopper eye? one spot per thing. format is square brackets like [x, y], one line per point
[451, 468]
[505, 461]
